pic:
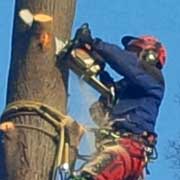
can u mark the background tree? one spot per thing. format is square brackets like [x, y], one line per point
[173, 151]
[174, 156]
[34, 75]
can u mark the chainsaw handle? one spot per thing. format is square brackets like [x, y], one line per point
[85, 26]
[83, 35]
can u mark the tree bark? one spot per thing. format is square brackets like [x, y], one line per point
[34, 75]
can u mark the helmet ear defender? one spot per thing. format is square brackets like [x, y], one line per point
[148, 56]
[151, 57]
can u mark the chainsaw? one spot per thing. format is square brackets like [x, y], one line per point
[87, 65]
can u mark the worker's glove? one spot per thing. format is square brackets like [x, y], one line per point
[83, 35]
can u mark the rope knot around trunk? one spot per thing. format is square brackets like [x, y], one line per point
[68, 131]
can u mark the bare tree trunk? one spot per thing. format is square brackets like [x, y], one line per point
[29, 153]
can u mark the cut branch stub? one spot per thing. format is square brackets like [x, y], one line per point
[42, 18]
[42, 29]
[7, 126]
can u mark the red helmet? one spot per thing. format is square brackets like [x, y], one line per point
[146, 43]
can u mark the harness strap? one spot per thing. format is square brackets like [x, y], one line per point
[147, 140]
[51, 114]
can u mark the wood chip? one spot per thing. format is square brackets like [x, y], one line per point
[26, 16]
[45, 40]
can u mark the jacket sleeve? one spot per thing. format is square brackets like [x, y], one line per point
[126, 64]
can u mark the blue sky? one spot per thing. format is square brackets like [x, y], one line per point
[110, 20]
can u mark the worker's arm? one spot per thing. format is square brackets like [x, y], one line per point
[128, 65]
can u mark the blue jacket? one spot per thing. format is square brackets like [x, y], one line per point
[139, 93]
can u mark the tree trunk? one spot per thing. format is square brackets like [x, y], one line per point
[29, 153]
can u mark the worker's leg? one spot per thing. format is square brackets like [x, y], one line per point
[122, 160]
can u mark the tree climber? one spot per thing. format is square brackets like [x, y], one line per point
[128, 137]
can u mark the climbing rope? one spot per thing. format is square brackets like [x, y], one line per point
[56, 118]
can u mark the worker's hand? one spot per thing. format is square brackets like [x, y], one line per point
[83, 35]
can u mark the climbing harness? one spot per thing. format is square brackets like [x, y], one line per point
[108, 136]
